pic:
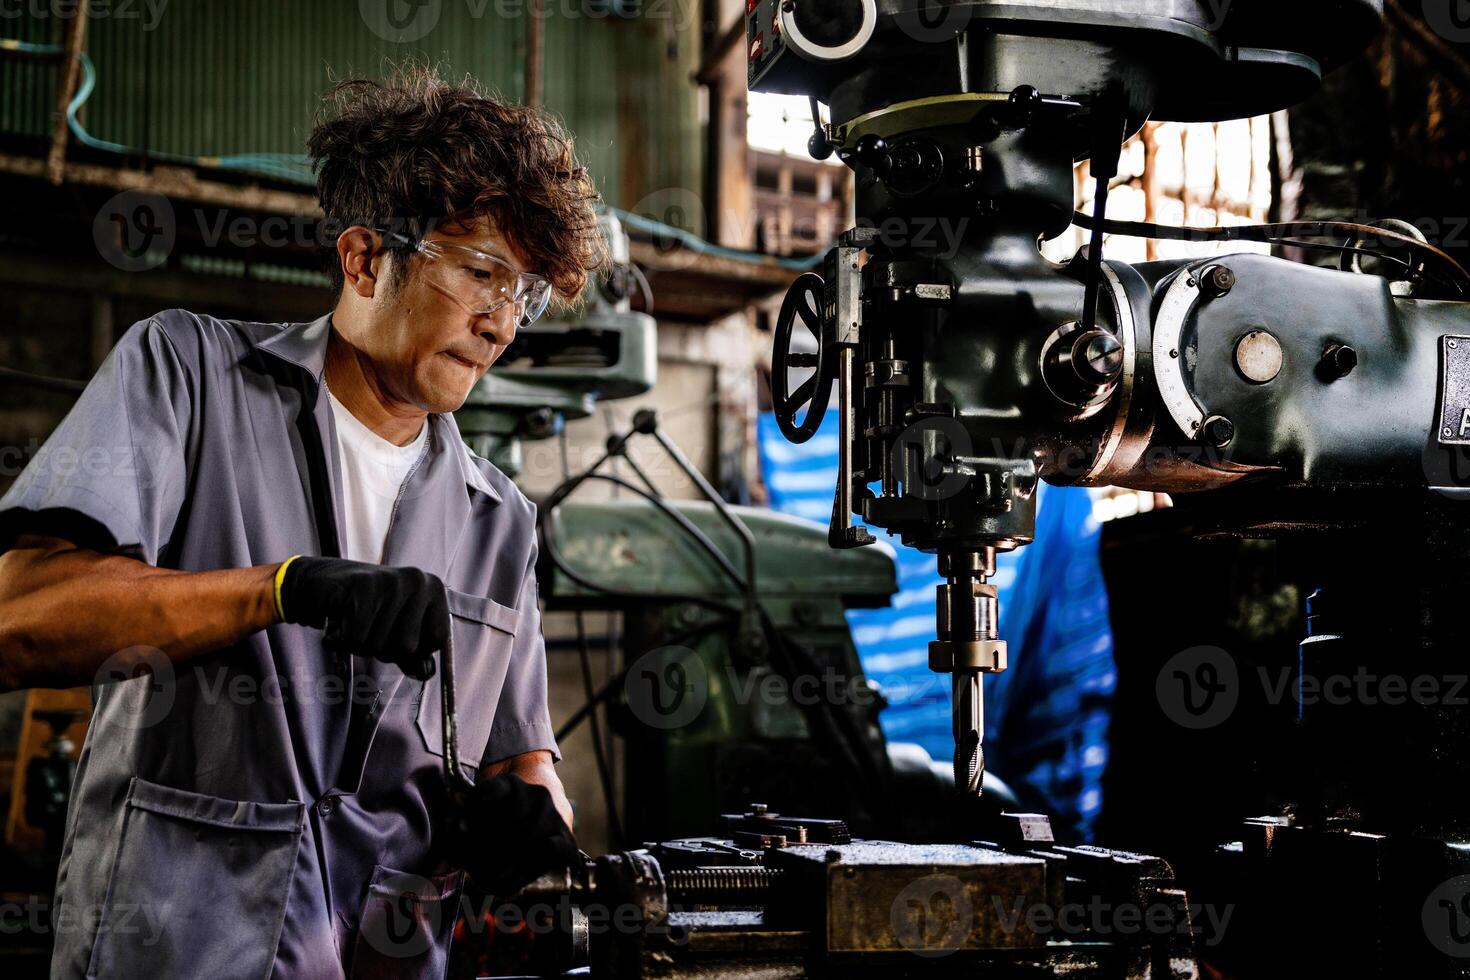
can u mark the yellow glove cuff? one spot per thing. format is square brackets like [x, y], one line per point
[280, 579]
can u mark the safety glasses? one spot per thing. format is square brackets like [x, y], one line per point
[484, 283]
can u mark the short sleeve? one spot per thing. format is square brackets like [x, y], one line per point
[118, 458]
[522, 719]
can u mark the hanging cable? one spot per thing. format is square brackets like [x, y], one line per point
[1273, 234]
[584, 655]
[832, 727]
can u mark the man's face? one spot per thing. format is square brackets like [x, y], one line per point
[428, 348]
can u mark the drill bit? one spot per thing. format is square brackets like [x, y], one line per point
[967, 647]
[969, 731]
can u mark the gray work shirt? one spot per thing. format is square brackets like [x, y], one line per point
[270, 810]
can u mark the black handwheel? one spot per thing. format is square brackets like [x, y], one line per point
[803, 302]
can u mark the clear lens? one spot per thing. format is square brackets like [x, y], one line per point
[485, 283]
[535, 300]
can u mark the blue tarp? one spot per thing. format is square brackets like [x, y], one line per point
[1046, 718]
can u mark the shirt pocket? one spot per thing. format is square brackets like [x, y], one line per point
[484, 639]
[198, 886]
[406, 925]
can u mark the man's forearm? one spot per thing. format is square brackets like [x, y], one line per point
[538, 768]
[64, 611]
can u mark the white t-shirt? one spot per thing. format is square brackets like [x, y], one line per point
[373, 471]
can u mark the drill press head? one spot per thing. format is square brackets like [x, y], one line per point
[966, 364]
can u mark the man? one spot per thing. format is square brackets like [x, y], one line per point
[265, 796]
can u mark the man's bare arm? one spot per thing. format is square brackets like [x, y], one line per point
[65, 610]
[535, 767]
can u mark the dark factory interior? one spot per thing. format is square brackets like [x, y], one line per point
[671, 489]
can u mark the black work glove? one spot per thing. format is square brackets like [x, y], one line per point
[397, 615]
[508, 833]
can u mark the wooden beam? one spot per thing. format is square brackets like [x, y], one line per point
[712, 68]
[177, 183]
[66, 86]
[535, 52]
[683, 262]
[160, 285]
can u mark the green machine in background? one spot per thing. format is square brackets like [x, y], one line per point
[737, 679]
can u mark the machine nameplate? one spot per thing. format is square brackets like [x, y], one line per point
[1454, 391]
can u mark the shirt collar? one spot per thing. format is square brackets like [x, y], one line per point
[302, 344]
[448, 433]
[305, 345]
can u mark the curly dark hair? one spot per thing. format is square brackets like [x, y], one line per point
[414, 152]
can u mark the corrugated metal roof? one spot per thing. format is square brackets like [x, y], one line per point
[220, 78]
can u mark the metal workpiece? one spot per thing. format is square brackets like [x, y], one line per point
[1015, 904]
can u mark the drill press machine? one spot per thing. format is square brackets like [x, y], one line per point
[968, 367]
